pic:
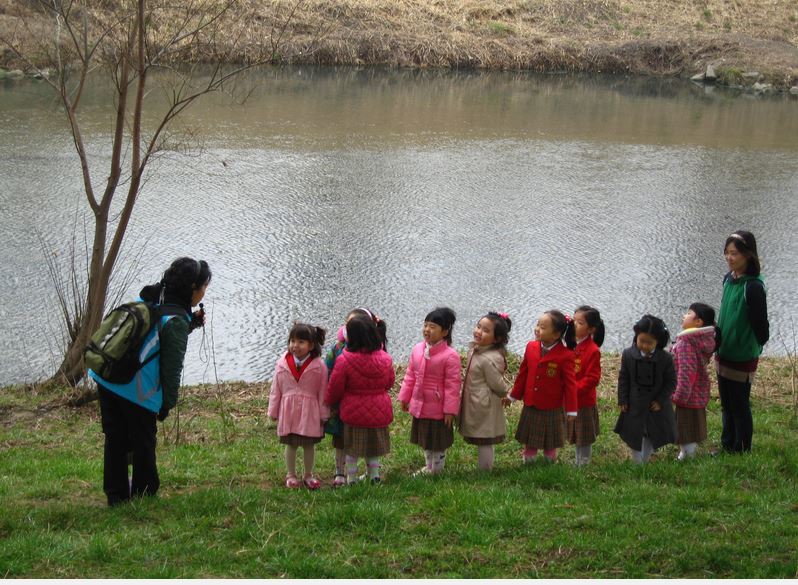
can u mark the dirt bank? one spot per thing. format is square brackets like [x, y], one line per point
[746, 41]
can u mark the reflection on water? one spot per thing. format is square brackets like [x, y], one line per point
[403, 190]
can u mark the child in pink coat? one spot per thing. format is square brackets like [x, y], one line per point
[296, 400]
[431, 389]
[359, 385]
[691, 353]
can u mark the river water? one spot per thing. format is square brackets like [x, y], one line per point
[404, 190]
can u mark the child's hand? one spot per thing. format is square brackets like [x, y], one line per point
[654, 406]
[506, 402]
[405, 406]
[448, 419]
[624, 408]
[274, 418]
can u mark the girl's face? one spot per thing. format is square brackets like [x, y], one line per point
[691, 320]
[646, 342]
[484, 332]
[299, 348]
[545, 331]
[581, 328]
[198, 294]
[433, 333]
[737, 261]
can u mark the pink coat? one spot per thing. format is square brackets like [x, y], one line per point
[432, 386]
[359, 384]
[691, 354]
[298, 406]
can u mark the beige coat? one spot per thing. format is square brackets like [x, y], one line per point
[481, 411]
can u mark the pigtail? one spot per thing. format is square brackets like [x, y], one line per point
[382, 329]
[321, 335]
[718, 337]
[569, 335]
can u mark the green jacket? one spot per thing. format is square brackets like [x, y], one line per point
[743, 321]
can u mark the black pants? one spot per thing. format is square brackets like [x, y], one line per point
[738, 423]
[128, 428]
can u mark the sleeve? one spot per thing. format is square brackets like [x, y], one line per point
[520, 380]
[686, 365]
[336, 385]
[275, 395]
[452, 382]
[495, 379]
[756, 298]
[409, 381]
[592, 368]
[569, 383]
[668, 379]
[173, 339]
[324, 409]
[623, 381]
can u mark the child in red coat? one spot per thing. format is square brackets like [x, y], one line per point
[359, 384]
[589, 332]
[547, 383]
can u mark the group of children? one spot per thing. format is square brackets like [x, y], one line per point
[347, 395]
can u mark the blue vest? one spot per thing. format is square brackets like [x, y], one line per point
[145, 387]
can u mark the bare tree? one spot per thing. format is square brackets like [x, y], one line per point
[129, 40]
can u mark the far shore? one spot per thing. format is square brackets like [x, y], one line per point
[743, 45]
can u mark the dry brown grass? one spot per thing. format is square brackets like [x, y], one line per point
[660, 37]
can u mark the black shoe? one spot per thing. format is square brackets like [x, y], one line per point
[376, 481]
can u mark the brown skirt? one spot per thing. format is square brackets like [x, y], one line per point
[431, 434]
[584, 430]
[691, 425]
[366, 442]
[295, 440]
[541, 429]
[484, 440]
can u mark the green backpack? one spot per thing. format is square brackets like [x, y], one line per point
[113, 352]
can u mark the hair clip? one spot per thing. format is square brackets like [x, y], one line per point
[504, 316]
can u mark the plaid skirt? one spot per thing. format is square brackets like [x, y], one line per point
[584, 430]
[431, 434]
[484, 440]
[295, 440]
[366, 442]
[691, 425]
[541, 429]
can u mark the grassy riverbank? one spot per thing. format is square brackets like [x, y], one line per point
[745, 40]
[222, 510]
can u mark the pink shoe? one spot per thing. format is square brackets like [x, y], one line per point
[311, 483]
[292, 482]
[339, 480]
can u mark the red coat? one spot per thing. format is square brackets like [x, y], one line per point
[359, 384]
[547, 382]
[588, 372]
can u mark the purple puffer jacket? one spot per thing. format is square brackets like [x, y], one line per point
[691, 354]
[359, 385]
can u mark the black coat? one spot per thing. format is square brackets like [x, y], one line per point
[641, 381]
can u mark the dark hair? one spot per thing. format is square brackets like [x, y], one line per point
[501, 327]
[444, 317]
[382, 328]
[362, 334]
[707, 315]
[745, 242]
[311, 333]
[593, 318]
[564, 326]
[653, 326]
[178, 283]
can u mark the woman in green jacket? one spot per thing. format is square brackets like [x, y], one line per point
[743, 322]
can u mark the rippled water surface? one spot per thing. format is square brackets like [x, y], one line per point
[331, 189]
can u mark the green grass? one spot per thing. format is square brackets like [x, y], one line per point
[222, 510]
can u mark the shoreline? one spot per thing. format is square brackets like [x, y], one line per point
[744, 47]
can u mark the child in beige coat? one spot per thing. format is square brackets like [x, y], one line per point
[481, 419]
